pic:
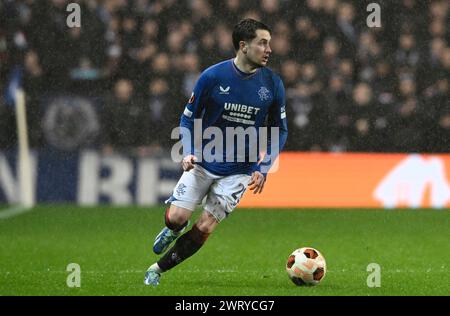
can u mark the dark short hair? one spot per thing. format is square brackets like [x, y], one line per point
[245, 30]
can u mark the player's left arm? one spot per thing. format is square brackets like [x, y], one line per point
[276, 119]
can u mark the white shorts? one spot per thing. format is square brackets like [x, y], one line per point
[222, 192]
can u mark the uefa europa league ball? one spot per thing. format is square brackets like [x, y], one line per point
[306, 266]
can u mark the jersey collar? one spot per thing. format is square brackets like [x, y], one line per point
[240, 73]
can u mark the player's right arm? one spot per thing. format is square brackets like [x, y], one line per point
[194, 110]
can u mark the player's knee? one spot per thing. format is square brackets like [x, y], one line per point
[207, 223]
[176, 217]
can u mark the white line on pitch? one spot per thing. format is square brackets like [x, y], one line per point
[13, 211]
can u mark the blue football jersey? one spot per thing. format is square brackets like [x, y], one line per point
[224, 97]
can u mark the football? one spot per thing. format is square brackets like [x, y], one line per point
[306, 266]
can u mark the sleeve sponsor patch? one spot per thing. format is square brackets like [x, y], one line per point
[187, 112]
[283, 112]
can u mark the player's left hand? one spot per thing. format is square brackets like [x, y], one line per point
[257, 182]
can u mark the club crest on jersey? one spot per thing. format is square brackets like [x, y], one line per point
[224, 90]
[192, 98]
[263, 93]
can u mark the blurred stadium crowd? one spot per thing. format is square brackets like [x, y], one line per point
[349, 87]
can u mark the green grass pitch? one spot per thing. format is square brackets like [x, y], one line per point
[246, 255]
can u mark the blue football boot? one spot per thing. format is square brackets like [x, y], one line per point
[165, 238]
[152, 277]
